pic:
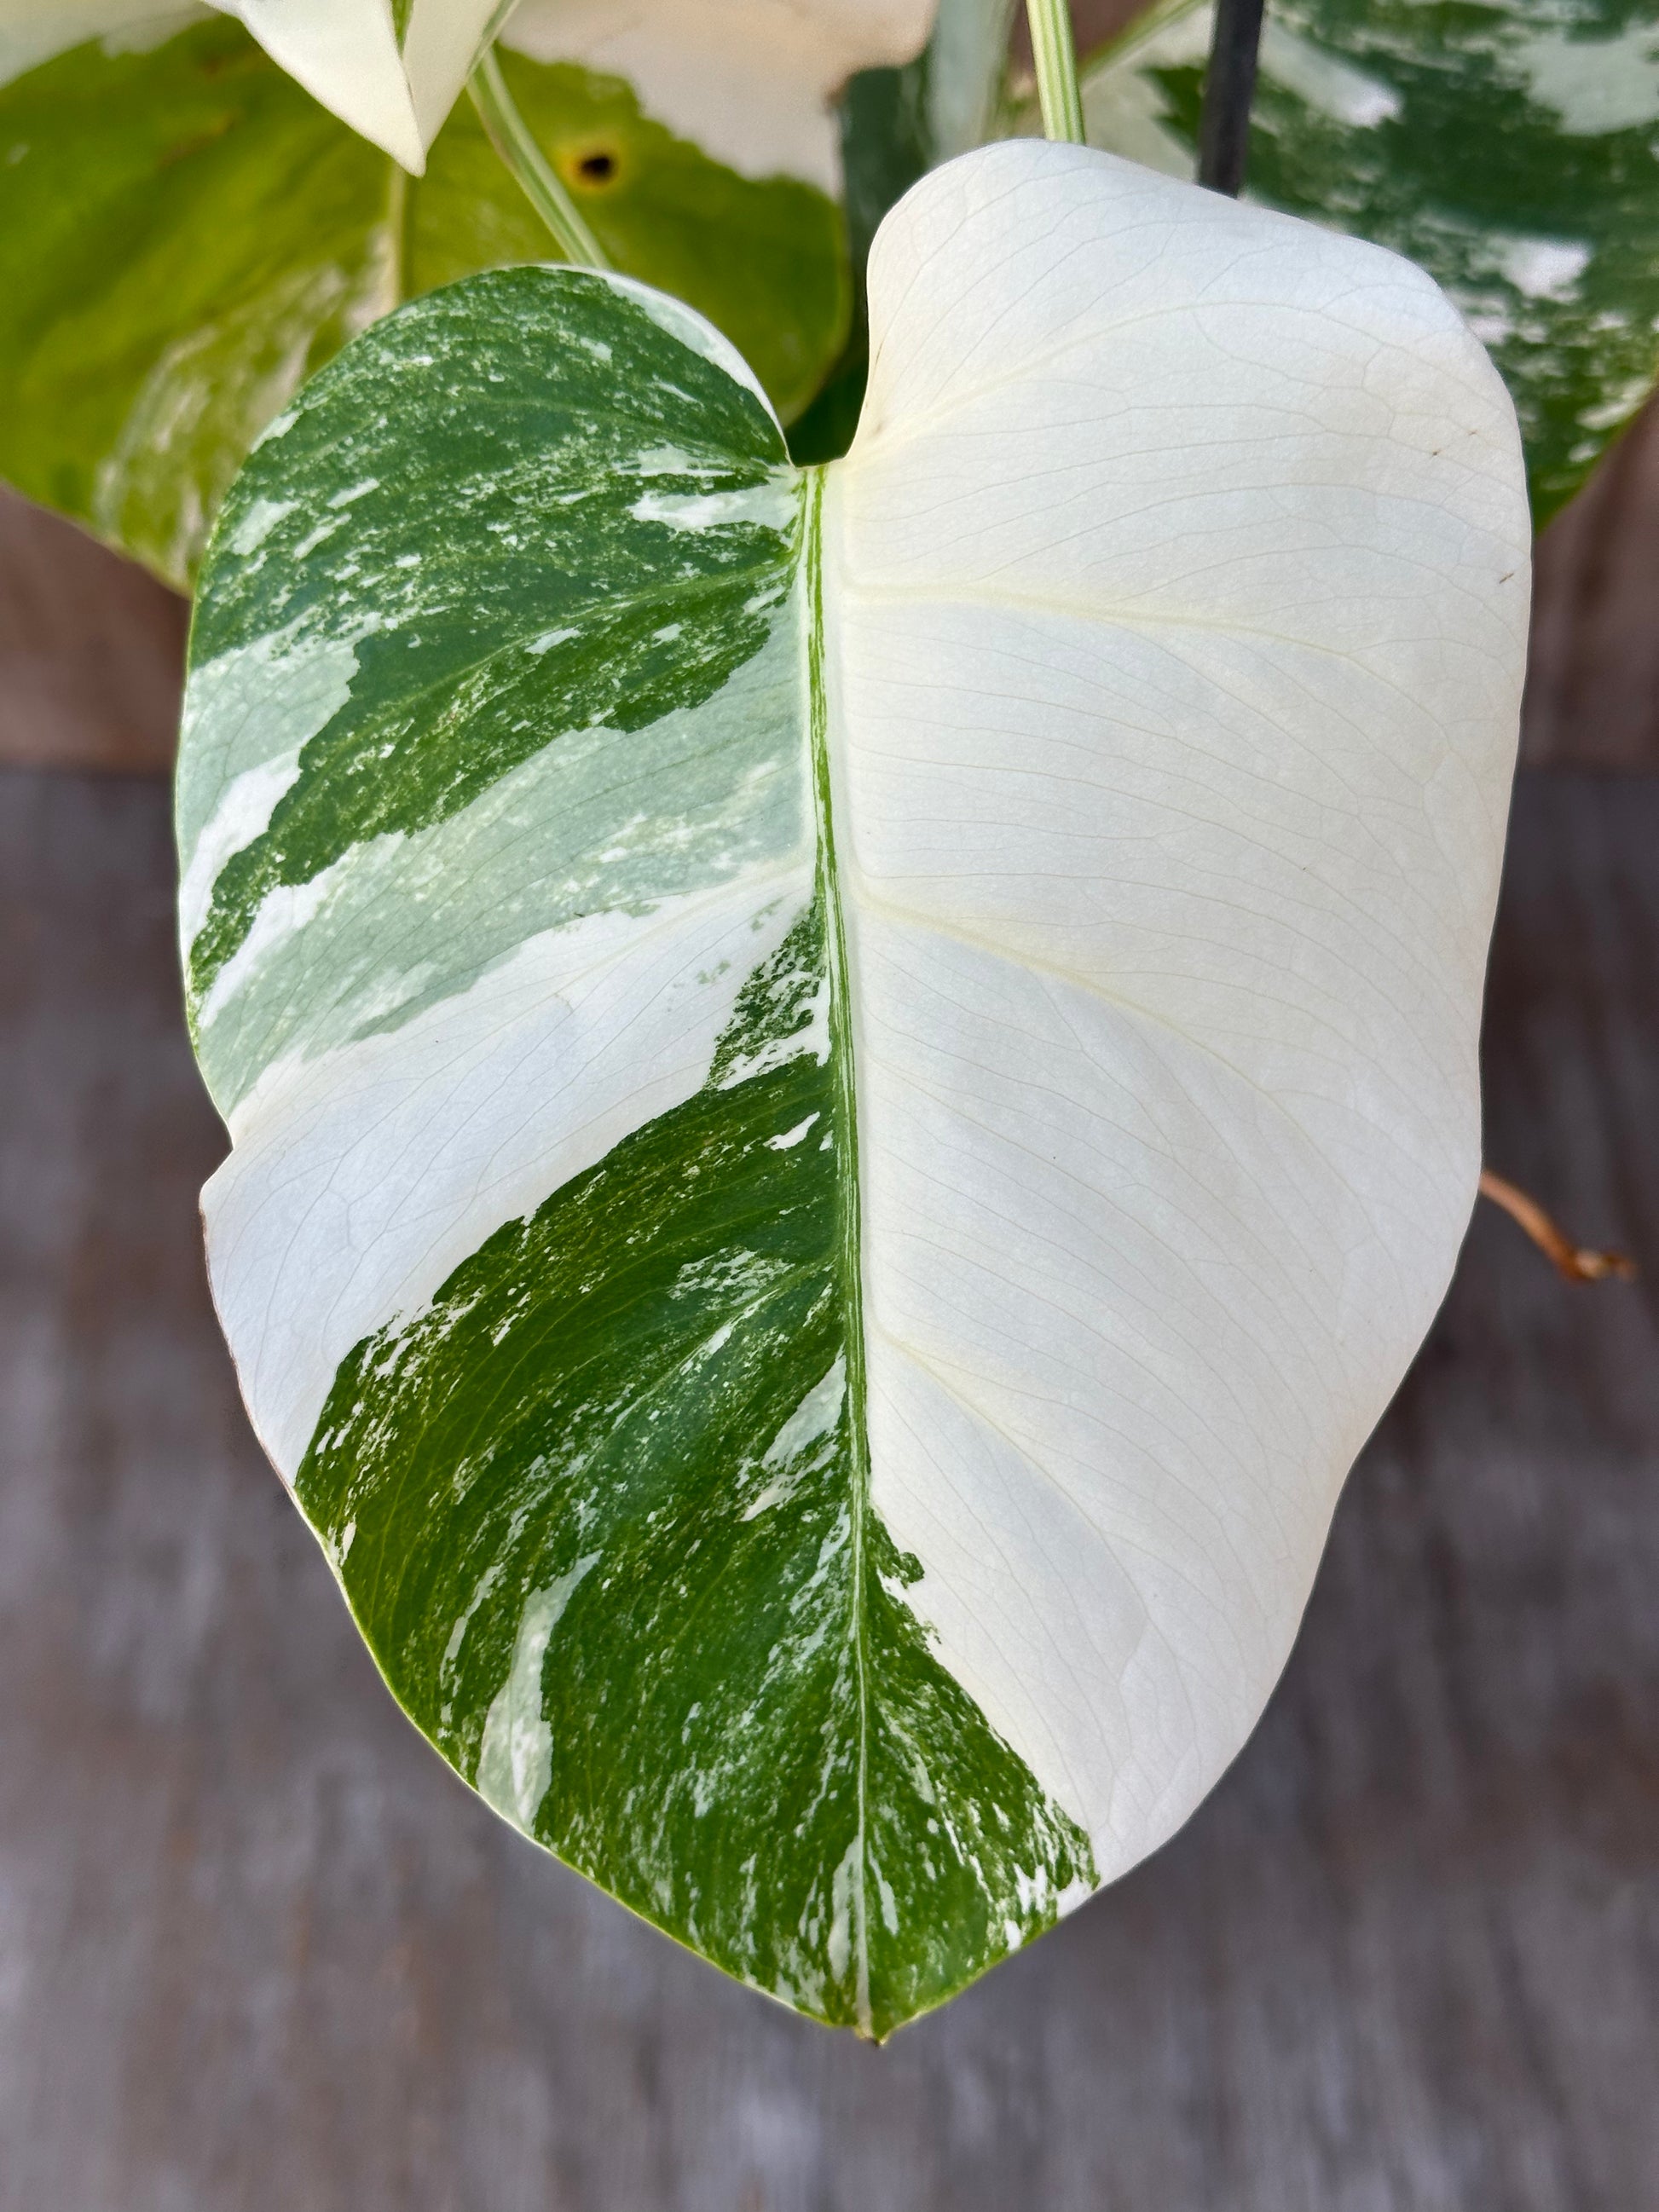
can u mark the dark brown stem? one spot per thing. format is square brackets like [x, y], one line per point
[1223, 129]
[1576, 1263]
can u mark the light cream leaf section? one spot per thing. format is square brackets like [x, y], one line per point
[1177, 590]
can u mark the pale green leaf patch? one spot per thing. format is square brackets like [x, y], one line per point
[850, 1087]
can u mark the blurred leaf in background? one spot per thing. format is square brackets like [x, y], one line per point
[1510, 147]
[186, 233]
[896, 123]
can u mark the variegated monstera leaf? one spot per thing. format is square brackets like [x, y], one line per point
[1509, 147]
[185, 233]
[850, 1089]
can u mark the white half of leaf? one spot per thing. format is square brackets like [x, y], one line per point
[752, 83]
[1177, 589]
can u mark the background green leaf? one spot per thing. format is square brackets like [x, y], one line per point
[1508, 147]
[185, 234]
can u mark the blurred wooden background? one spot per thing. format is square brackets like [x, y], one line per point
[1593, 689]
[260, 1951]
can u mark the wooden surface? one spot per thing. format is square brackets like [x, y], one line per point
[92, 651]
[260, 1952]
[1593, 689]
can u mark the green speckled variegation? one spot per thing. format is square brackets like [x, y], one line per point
[1511, 148]
[184, 234]
[518, 561]
[850, 1087]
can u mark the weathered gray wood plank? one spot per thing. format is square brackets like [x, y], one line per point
[92, 651]
[260, 1953]
[1593, 684]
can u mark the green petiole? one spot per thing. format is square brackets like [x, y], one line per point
[1055, 53]
[511, 137]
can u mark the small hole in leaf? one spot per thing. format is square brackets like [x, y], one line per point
[593, 167]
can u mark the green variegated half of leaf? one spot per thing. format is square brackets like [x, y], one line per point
[184, 234]
[1510, 147]
[849, 1088]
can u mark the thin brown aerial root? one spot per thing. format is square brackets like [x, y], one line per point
[1576, 1263]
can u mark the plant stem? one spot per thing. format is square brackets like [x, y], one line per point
[510, 134]
[398, 199]
[1054, 53]
[1577, 1262]
[1223, 129]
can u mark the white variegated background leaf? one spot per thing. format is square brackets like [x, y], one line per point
[851, 1088]
[1511, 148]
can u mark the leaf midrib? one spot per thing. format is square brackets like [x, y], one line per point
[849, 1228]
